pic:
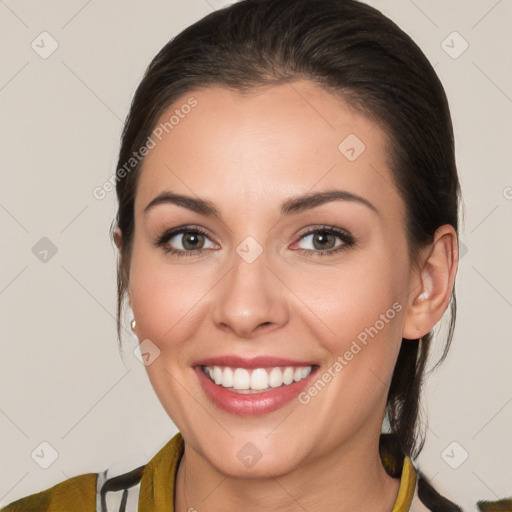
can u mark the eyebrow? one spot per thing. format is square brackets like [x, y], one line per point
[292, 205]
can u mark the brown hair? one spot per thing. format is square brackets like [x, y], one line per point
[354, 51]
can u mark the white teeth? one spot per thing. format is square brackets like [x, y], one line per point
[217, 375]
[258, 379]
[275, 377]
[301, 373]
[288, 375]
[241, 378]
[227, 378]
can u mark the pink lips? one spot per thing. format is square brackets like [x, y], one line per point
[251, 404]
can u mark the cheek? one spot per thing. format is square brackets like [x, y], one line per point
[165, 299]
[347, 300]
[358, 321]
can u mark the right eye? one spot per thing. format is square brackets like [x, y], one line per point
[191, 240]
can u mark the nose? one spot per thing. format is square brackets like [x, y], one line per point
[250, 299]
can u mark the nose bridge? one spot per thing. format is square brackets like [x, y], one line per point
[249, 296]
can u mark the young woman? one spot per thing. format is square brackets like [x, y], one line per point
[287, 230]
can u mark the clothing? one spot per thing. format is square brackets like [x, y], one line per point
[147, 489]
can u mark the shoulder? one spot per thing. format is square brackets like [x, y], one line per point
[432, 500]
[111, 490]
[84, 493]
[417, 493]
[427, 498]
[79, 491]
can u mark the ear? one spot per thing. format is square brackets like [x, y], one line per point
[431, 284]
[118, 238]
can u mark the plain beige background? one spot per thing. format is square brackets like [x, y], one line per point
[63, 380]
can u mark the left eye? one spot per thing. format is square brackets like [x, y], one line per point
[324, 240]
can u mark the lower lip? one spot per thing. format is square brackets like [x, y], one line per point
[251, 404]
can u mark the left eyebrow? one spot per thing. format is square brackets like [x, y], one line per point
[292, 205]
[311, 200]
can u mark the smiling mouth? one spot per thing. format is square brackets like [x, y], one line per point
[255, 380]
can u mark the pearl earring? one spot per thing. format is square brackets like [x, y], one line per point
[133, 324]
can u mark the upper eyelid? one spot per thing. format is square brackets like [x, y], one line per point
[323, 227]
[341, 233]
[168, 234]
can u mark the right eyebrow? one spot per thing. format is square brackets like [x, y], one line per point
[201, 206]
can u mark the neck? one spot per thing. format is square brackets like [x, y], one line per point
[345, 479]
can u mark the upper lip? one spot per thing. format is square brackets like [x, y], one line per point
[253, 362]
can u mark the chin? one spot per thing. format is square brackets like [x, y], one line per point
[251, 463]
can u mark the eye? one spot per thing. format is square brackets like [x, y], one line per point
[322, 241]
[185, 241]
[192, 240]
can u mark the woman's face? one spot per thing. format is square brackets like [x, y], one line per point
[272, 286]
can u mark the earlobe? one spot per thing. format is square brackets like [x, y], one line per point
[432, 284]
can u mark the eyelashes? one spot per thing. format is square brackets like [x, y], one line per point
[163, 240]
[347, 240]
[192, 236]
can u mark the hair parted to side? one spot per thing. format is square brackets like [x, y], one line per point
[354, 51]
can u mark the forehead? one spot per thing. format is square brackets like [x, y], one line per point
[261, 146]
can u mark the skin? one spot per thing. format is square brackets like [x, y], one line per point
[247, 153]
